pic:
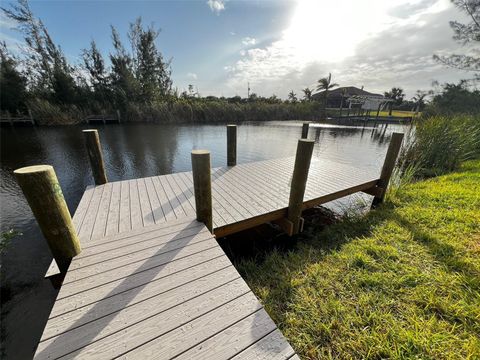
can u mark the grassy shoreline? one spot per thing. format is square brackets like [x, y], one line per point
[401, 282]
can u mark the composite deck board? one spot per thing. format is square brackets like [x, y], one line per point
[272, 345]
[163, 291]
[152, 282]
[241, 196]
[135, 211]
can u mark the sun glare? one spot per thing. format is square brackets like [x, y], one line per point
[322, 30]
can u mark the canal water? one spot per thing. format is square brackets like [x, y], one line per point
[132, 151]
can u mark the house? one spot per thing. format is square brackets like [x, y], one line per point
[335, 95]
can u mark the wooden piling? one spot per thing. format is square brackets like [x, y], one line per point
[94, 149]
[305, 130]
[299, 183]
[231, 145]
[388, 166]
[202, 184]
[44, 195]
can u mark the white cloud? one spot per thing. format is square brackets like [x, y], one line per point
[393, 48]
[192, 76]
[249, 41]
[232, 33]
[217, 6]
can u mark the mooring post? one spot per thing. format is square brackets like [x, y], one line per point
[231, 145]
[44, 195]
[305, 130]
[388, 166]
[299, 183]
[202, 185]
[94, 149]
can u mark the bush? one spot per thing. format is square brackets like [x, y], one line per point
[47, 113]
[438, 144]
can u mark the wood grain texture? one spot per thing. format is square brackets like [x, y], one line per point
[42, 190]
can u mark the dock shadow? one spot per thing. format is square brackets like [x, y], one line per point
[102, 322]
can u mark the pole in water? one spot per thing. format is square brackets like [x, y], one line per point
[95, 154]
[305, 130]
[40, 186]
[202, 185]
[231, 145]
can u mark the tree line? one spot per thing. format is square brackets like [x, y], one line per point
[135, 79]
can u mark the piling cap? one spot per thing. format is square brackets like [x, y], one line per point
[231, 125]
[200, 152]
[89, 130]
[33, 169]
[306, 140]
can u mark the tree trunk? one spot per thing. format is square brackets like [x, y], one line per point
[325, 105]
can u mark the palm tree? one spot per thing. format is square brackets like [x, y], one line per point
[396, 95]
[325, 84]
[419, 99]
[292, 96]
[307, 94]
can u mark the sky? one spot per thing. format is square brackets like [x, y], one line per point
[220, 46]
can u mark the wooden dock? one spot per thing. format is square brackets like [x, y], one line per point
[243, 196]
[147, 278]
[9, 120]
[158, 292]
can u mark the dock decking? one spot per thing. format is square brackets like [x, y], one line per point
[159, 292]
[244, 196]
[152, 281]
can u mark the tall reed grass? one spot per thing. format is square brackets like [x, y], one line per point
[439, 144]
[177, 111]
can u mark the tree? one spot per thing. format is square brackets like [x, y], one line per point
[456, 98]
[95, 66]
[325, 84]
[307, 94]
[274, 99]
[419, 99]
[46, 65]
[124, 83]
[465, 34]
[13, 90]
[292, 96]
[151, 70]
[396, 95]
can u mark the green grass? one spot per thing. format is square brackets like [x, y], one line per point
[401, 282]
[398, 113]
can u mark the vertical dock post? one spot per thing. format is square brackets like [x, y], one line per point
[388, 166]
[231, 145]
[305, 130]
[44, 195]
[299, 183]
[94, 149]
[202, 185]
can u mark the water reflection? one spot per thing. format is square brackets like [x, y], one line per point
[133, 151]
